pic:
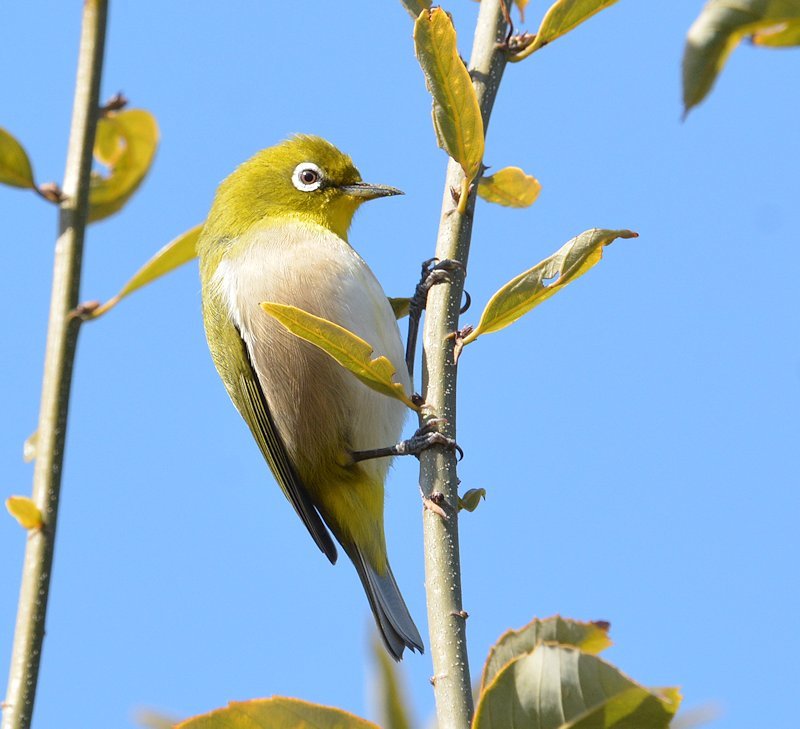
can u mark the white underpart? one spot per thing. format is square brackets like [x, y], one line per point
[315, 402]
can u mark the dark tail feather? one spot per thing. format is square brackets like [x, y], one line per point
[391, 614]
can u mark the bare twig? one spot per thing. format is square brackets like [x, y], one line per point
[62, 335]
[452, 687]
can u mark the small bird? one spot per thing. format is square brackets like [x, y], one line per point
[277, 232]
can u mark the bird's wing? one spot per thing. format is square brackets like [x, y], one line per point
[249, 398]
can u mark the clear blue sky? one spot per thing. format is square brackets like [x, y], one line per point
[637, 434]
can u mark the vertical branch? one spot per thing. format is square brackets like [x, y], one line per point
[62, 337]
[446, 618]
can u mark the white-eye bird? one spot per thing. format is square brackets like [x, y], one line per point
[277, 232]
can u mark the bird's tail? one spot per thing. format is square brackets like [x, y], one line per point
[391, 614]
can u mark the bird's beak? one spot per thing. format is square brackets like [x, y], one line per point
[369, 192]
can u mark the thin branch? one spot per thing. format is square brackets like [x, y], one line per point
[62, 336]
[446, 616]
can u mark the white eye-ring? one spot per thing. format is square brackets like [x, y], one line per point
[307, 177]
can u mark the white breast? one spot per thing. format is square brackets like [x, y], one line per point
[318, 406]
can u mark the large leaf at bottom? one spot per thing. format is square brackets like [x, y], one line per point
[276, 713]
[555, 687]
[348, 349]
[589, 637]
[546, 278]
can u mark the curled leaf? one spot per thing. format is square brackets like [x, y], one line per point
[720, 27]
[348, 349]
[15, 165]
[510, 187]
[126, 143]
[178, 251]
[562, 17]
[546, 278]
[400, 306]
[558, 687]
[456, 112]
[589, 637]
[276, 712]
[24, 511]
[471, 499]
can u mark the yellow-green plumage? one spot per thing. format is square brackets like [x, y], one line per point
[277, 231]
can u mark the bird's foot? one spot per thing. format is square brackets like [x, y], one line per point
[433, 272]
[426, 437]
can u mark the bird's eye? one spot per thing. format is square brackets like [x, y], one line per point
[307, 177]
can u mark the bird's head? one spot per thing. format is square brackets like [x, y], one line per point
[304, 178]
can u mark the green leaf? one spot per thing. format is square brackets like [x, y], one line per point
[456, 112]
[782, 35]
[348, 349]
[400, 306]
[718, 30]
[556, 687]
[510, 187]
[546, 278]
[415, 7]
[589, 637]
[276, 712]
[25, 511]
[392, 698]
[177, 252]
[561, 18]
[15, 165]
[126, 143]
[471, 499]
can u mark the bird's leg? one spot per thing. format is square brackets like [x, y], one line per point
[426, 437]
[434, 272]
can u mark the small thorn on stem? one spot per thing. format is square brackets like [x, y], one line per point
[115, 103]
[431, 504]
[459, 337]
[84, 311]
[463, 614]
[52, 192]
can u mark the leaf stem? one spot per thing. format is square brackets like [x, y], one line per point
[62, 336]
[446, 618]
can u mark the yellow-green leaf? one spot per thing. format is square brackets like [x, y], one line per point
[590, 637]
[718, 29]
[471, 499]
[274, 713]
[510, 187]
[562, 17]
[15, 165]
[126, 143]
[782, 35]
[400, 306]
[392, 697]
[557, 687]
[348, 349]
[177, 252]
[546, 278]
[521, 5]
[24, 511]
[415, 7]
[456, 112]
